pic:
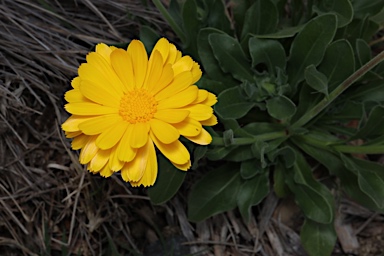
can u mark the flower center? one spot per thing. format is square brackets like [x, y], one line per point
[137, 106]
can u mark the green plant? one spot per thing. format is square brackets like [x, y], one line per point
[294, 82]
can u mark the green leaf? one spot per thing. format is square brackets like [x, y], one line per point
[261, 18]
[242, 153]
[363, 51]
[198, 154]
[374, 126]
[283, 33]
[191, 25]
[370, 182]
[269, 52]
[149, 37]
[251, 193]
[338, 63]
[250, 168]
[346, 111]
[208, 60]
[308, 98]
[231, 104]
[258, 128]
[318, 239]
[213, 86]
[309, 46]
[239, 8]
[348, 178]
[359, 28]
[168, 182]
[217, 16]
[281, 107]
[342, 8]
[219, 153]
[287, 155]
[231, 57]
[316, 79]
[216, 192]
[314, 198]
[365, 8]
[175, 11]
[279, 177]
[373, 91]
[379, 17]
[228, 138]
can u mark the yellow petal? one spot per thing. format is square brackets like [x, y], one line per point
[163, 47]
[72, 134]
[175, 151]
[139, 61]
[99, 160]
[196, 72]
[79, 141]
[201, 96]
[209, 122]
[139, 136]
[180, 99]
[164, 80]
[211, 100]
[172, 54]
[179, 83]
[114, 163]
[104, 50]
[106, 171]
[183, 167]
[204, 138]
[89, 150]
[109, 137]
[98, 124]
[199, 112]
[122, 64]
[189, 127]
[172, 115]
[182, 65]
[100, 65]
[100, 95]
[75, 82]
[134, 170]
[125, 152]
[155, 68]
[178, 56]
[72, 123]
[89, 109]
[150, 173]
[99, 79]
[74, 96]
[165, 132]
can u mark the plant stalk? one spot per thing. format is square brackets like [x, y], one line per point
[219, 141]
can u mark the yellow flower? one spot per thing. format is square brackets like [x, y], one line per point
[124, 104]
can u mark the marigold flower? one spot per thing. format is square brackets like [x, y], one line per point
[124, 104]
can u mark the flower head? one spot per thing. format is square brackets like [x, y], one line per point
[124, 104]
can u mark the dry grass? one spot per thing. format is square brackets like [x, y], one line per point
[50, 205]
